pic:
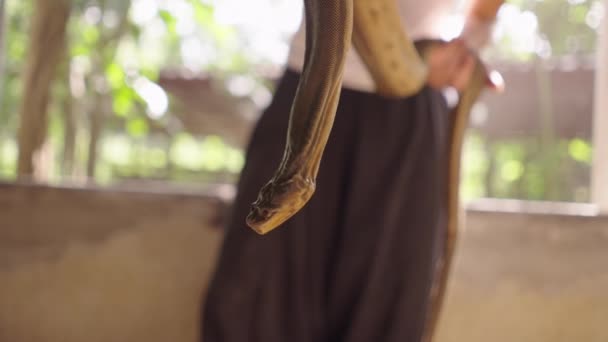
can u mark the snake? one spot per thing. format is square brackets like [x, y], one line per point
[375, 30]
[398, 69]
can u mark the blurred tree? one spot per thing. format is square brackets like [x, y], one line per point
[103, 53]
[2, 46]
[46, 47]
[539, 33]
[108, 118]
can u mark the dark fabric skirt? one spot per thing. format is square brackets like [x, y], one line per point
[357, 263]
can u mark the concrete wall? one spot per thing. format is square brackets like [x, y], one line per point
[529, 278]
[103, 266]
[89, 265]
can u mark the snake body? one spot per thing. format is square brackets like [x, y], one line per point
[389, 55]
[398, 69]
[459, 119]
[395, 64]
[376, 31]
[328, 38]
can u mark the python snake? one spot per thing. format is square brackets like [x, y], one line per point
[398, 69]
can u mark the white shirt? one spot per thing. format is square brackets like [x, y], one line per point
[421, 19]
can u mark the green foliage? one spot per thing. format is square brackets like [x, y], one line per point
[580, 151]
[16, 33]
[117, 49]
[542, 29]
[523, 169]
[115, 56]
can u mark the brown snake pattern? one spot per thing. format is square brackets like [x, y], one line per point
[375, 29]
[398, 69]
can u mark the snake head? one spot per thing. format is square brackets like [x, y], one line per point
[278, 201]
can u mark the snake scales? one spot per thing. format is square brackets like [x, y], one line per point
[397, 68]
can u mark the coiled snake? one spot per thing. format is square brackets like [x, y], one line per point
[398, 70]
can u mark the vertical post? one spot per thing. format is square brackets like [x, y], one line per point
[45, 50]
[599, 170]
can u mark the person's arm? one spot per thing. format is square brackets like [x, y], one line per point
[484, 9]
[480, 16]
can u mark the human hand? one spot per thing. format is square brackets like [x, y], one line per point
[450, 65]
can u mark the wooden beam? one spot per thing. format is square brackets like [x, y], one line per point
[599, 170]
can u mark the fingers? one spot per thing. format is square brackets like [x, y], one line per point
[450, 64]
[456, 55]
[462, 75]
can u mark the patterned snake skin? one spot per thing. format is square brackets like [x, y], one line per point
[398, 69]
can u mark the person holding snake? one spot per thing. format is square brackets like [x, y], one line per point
[368, 132]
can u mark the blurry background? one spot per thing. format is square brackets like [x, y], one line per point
[169, 90]
[122, 131]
